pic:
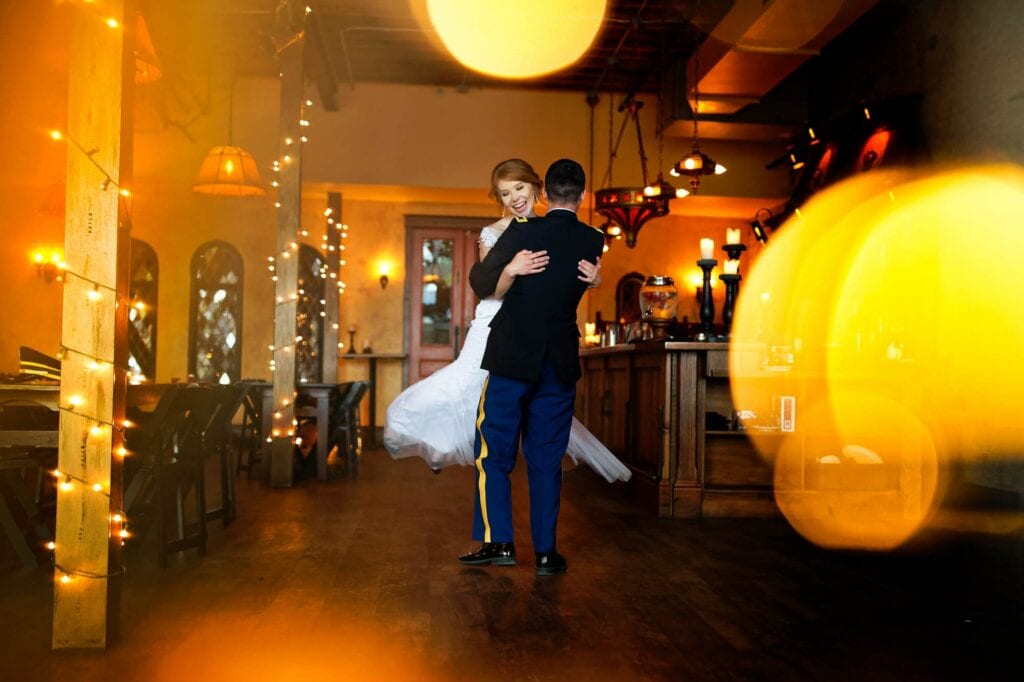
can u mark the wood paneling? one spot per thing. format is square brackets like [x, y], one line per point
[666, 397]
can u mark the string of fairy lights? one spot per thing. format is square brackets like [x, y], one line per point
[291, 251]
[97, 430]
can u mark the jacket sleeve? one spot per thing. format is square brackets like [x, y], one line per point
[483, 276]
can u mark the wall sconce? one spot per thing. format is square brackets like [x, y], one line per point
[49, 270]
[759, 225]
[384, 268]
[696, 280]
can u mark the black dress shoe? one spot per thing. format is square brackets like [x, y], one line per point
[491, 553]
[550, 563]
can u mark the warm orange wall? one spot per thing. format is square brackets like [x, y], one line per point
[418, 149]
[31, 177]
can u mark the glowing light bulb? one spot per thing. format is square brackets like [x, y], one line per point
[56, 135]
[75, 401]
[112, 22]
[51, 545]
[65, 579]
[94, 294]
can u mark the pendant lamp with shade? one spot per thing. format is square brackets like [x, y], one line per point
[228, 170]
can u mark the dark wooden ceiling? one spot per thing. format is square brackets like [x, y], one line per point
[381, 41]
[374, 41]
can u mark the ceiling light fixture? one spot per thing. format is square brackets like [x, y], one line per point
[228, 170]
[696, 163]
[631, 207]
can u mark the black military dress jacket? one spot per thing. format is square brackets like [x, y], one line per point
[537, 319]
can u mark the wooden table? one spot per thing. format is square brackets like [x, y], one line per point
[372, 358]
[319, 392]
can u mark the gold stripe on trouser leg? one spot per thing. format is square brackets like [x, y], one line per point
[482, 479]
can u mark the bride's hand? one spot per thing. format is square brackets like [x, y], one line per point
[527, 263]
[590, 272]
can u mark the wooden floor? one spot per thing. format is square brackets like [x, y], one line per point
[357, 580]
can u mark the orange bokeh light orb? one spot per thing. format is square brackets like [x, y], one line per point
[887, 310]
[523, 39]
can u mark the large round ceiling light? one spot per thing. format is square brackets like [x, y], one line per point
[522, 39]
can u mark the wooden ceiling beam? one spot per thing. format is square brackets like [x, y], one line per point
[318, 61]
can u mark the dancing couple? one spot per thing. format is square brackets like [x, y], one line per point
[516, 375]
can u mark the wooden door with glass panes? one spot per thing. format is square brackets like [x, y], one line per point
[440, 300]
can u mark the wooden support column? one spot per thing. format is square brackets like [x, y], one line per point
[94, 327]
[333, 256]
[289, 196]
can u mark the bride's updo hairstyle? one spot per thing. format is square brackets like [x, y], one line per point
[513, 169]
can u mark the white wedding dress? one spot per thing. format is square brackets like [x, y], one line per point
[436, 418]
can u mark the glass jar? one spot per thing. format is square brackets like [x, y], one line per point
[659, 299]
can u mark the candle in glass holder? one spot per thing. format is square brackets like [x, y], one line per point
[732, 236]
[731, 267]
[707, 248]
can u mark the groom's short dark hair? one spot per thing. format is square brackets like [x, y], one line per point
[565, 181]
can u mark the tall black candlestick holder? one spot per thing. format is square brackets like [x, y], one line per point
[734, 250]
[707, 303]
[351, 341]
[732, 287]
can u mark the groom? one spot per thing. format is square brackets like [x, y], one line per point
[533, 358]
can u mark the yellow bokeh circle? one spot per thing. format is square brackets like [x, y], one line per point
[886, 313]
[521, 39]
[867, 483]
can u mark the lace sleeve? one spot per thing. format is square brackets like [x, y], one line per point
[489, 236]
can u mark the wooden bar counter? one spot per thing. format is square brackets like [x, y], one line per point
[662, 408]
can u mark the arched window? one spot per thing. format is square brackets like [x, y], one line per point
[215, 323]
[309, 317]
[627, 298]
[144, 275]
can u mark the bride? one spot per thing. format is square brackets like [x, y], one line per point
[434, 418]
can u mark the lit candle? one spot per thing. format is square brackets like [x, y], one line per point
[732, 267]
[590, 328]
[732, 236]
[707, 248]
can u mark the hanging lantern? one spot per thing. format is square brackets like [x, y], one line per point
[229, 171]
[630, 207]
